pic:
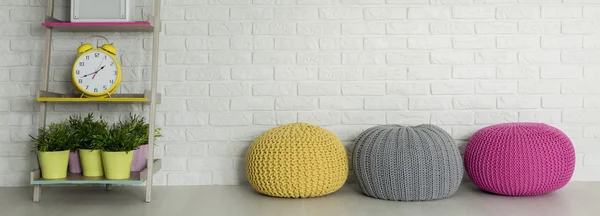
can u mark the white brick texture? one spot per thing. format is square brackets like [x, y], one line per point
[232, 69]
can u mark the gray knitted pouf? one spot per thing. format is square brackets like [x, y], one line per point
[401, 163]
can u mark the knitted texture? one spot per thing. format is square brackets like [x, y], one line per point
[401, 163]
[297, 161]
[520, 159]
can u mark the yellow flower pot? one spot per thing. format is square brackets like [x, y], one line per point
[117, 165]
[91, 162]
[54, 164]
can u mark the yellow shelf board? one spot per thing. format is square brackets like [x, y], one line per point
[46, 99]
[44, 96]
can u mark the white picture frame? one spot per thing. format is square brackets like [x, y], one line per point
[122, 10]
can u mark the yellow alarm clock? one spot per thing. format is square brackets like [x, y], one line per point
[96, 72]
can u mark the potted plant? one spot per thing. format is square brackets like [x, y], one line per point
[140, 129]
[53, 145]
[74, 162]
[89, 152]
[118, 145]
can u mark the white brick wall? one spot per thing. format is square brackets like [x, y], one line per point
[232, 69]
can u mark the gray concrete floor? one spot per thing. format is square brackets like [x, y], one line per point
[577, 199]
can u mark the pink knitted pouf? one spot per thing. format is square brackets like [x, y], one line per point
[520, 159]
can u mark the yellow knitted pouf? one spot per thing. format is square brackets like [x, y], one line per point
[297, 161]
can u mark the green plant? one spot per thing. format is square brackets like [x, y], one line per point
[54, 137]
[140, 128]
[84, 130]
[117, 138]
[125, 135]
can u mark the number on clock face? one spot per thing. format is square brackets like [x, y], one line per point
[96, 72]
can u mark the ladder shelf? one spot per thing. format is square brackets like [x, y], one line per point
[151, 96]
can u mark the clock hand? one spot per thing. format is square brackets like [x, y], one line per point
[84, 76]
[101, 62]
[97, 69]
[96, 73]
[93, 73]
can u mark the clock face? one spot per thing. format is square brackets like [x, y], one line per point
[96, 73]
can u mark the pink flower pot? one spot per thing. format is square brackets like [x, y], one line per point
[74, 163]
[140, 161]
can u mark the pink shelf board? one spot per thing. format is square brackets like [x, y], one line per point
[55, 24]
